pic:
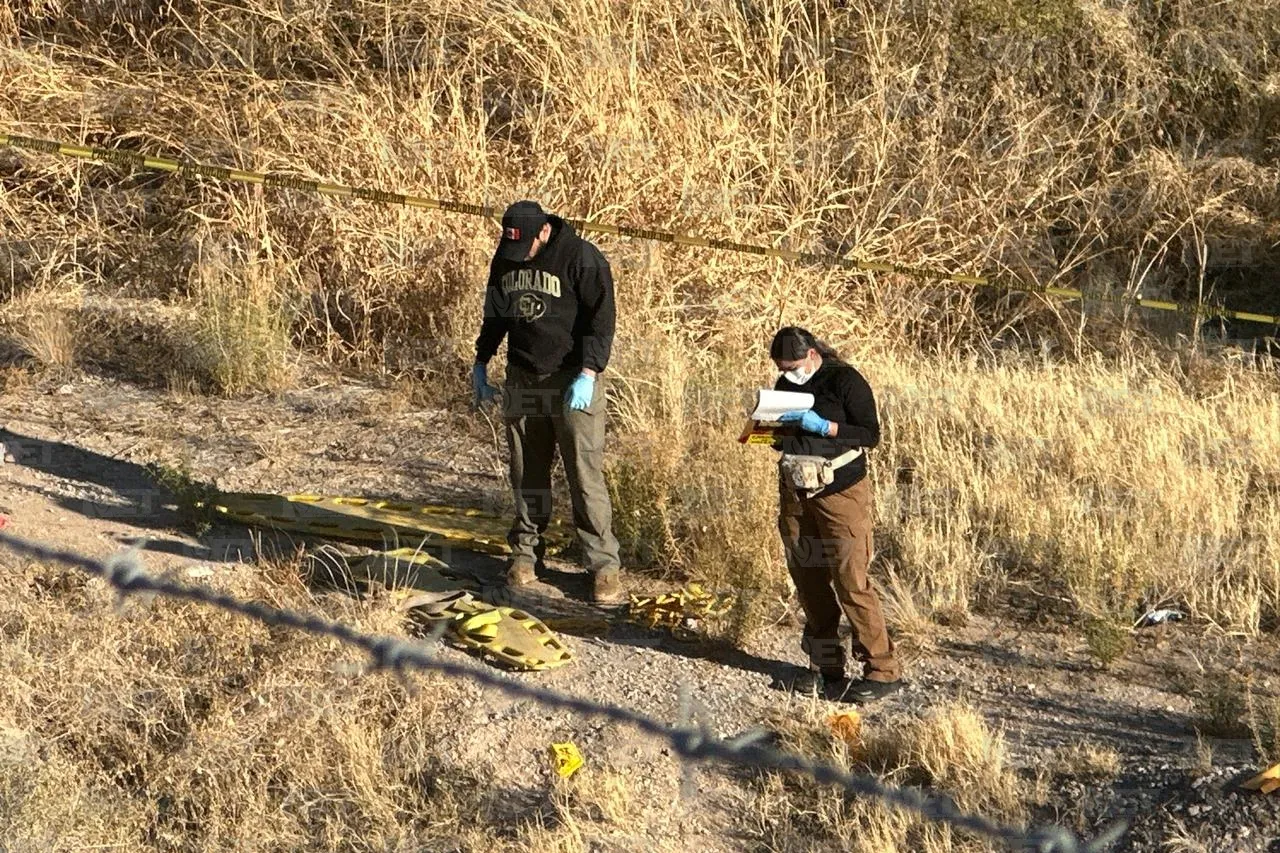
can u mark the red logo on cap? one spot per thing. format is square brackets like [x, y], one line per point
[511, 233]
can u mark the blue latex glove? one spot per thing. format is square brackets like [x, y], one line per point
[580, 392]
[484, 392]
[810, 421]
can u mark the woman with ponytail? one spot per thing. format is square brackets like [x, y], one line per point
[826, 530]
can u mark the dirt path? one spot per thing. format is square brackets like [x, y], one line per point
[77, 479]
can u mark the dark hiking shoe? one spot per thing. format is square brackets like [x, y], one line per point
[520, 572]
[807, 683]
[606, 588]
[864, 691]
[837, 689]
[811, 682]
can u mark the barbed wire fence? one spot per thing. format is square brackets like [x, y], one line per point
[123, 572]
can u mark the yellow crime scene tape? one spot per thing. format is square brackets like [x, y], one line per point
[134, 159]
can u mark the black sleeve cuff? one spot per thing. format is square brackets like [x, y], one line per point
[847, 434]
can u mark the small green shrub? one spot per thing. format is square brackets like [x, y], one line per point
[1107, 640]
[194, 498]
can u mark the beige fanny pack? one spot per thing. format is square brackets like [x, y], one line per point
[809, 475]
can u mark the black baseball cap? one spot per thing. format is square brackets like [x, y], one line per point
[521, 223]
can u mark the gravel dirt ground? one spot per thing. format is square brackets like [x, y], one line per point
[75, 478]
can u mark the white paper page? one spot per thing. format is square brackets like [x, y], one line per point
[770, 404]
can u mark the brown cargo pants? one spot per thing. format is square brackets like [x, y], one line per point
[828, 549]
[538, 423]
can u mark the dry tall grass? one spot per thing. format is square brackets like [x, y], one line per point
[1120, 147]
[241, 338]
[1116, 146]
[179, 728]
[951, 749]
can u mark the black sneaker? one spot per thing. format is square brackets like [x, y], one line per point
[864, 691]
[810, 682]
[837, 689]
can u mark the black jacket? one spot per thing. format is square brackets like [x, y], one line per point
[556, 311]
[840, 394]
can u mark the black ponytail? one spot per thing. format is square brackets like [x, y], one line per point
[792, 342]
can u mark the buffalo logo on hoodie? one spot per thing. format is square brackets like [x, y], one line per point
[529, 307]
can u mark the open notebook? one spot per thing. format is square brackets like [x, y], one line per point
[765, 408]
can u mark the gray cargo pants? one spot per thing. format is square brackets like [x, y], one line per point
[539, 422]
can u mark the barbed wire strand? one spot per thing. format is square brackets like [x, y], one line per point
[123, 572]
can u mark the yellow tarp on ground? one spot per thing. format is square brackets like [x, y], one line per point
[367, 519]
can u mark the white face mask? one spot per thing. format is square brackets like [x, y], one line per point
[799, 375]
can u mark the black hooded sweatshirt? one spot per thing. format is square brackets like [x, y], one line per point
[840, 394]
[556, 311]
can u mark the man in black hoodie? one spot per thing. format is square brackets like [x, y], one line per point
[550, 294]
